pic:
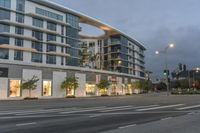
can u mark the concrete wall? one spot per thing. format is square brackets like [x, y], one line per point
[80, 91]
[27, 75]
[58, 78]
[3, 88]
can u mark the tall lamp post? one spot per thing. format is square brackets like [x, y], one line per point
[165, 52]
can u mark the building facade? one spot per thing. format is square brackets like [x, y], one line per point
[40, 38]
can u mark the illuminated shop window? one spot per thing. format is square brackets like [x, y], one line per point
[46, 88]
[90, 89]
[114, 89]
[14, 90]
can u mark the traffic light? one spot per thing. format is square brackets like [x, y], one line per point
[166, 72]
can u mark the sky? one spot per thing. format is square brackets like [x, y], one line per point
[155, 23]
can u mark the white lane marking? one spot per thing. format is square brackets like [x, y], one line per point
[168, 118]
[84, 110]
[25, 124]
[160, 107]
[93, 116]
[189, 107]
[127, 108]
[127, 126]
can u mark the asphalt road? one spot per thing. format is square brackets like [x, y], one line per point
[148, 113]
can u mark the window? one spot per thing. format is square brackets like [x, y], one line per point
[37, 46]
[5, 3]
[62, 49]
[19, 30]
[62, 39]
[18, 55]
[38, 35]
[4, 53]
[4, 28]
[14, 89]
[62, 29]
[19, 18]
[73, 20]
[4, 15]
[37, 22]
[51, 59]
[90, 89]
[72, 32]
[19, 42]
[49, 14]
[51, 48]
[51, 26]
[20, 5]
[51, 37]
[36, 57]
[4, 40]
[62, 61]
[46, 91]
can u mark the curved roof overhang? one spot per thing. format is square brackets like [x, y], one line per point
[109, 30]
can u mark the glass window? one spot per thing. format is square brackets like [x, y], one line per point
[37, 22]
[5, 3]
[51, 37]
[19, 42]
[20, 5]
[51, 48]
[4, 28]
[19, 30]
[37, 46]
[62, 60]
[4, 40]
[62, 30]
[51, 26]
[49, 14]
[18, 55]
[36, 57]
[4, 15]
[72, 32]
[90, 89]
[19, 18]
[47, 88]
[73, 20]
[4, 53]
[14, 89]
[51, 59]
[38, 35]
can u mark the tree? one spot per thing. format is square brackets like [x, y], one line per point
[103, 86]
[30, 84]
[70, 84]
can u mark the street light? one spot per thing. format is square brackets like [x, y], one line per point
[165, 51]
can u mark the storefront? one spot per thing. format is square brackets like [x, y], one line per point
[14, 88]
[90, 89]
[47, 88]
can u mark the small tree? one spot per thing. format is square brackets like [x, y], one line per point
[30, 84]
[70, 84]
[103, 86]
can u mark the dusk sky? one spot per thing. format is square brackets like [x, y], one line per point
[155, 23]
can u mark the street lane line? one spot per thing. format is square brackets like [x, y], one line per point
[25, 124]
[168, 118]
[189, 107]
[127, 126]
[83, 110]
[160, 107]
[127, 108]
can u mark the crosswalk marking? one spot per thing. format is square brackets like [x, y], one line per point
[160, 107]
[127, 108]
[188, 107]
